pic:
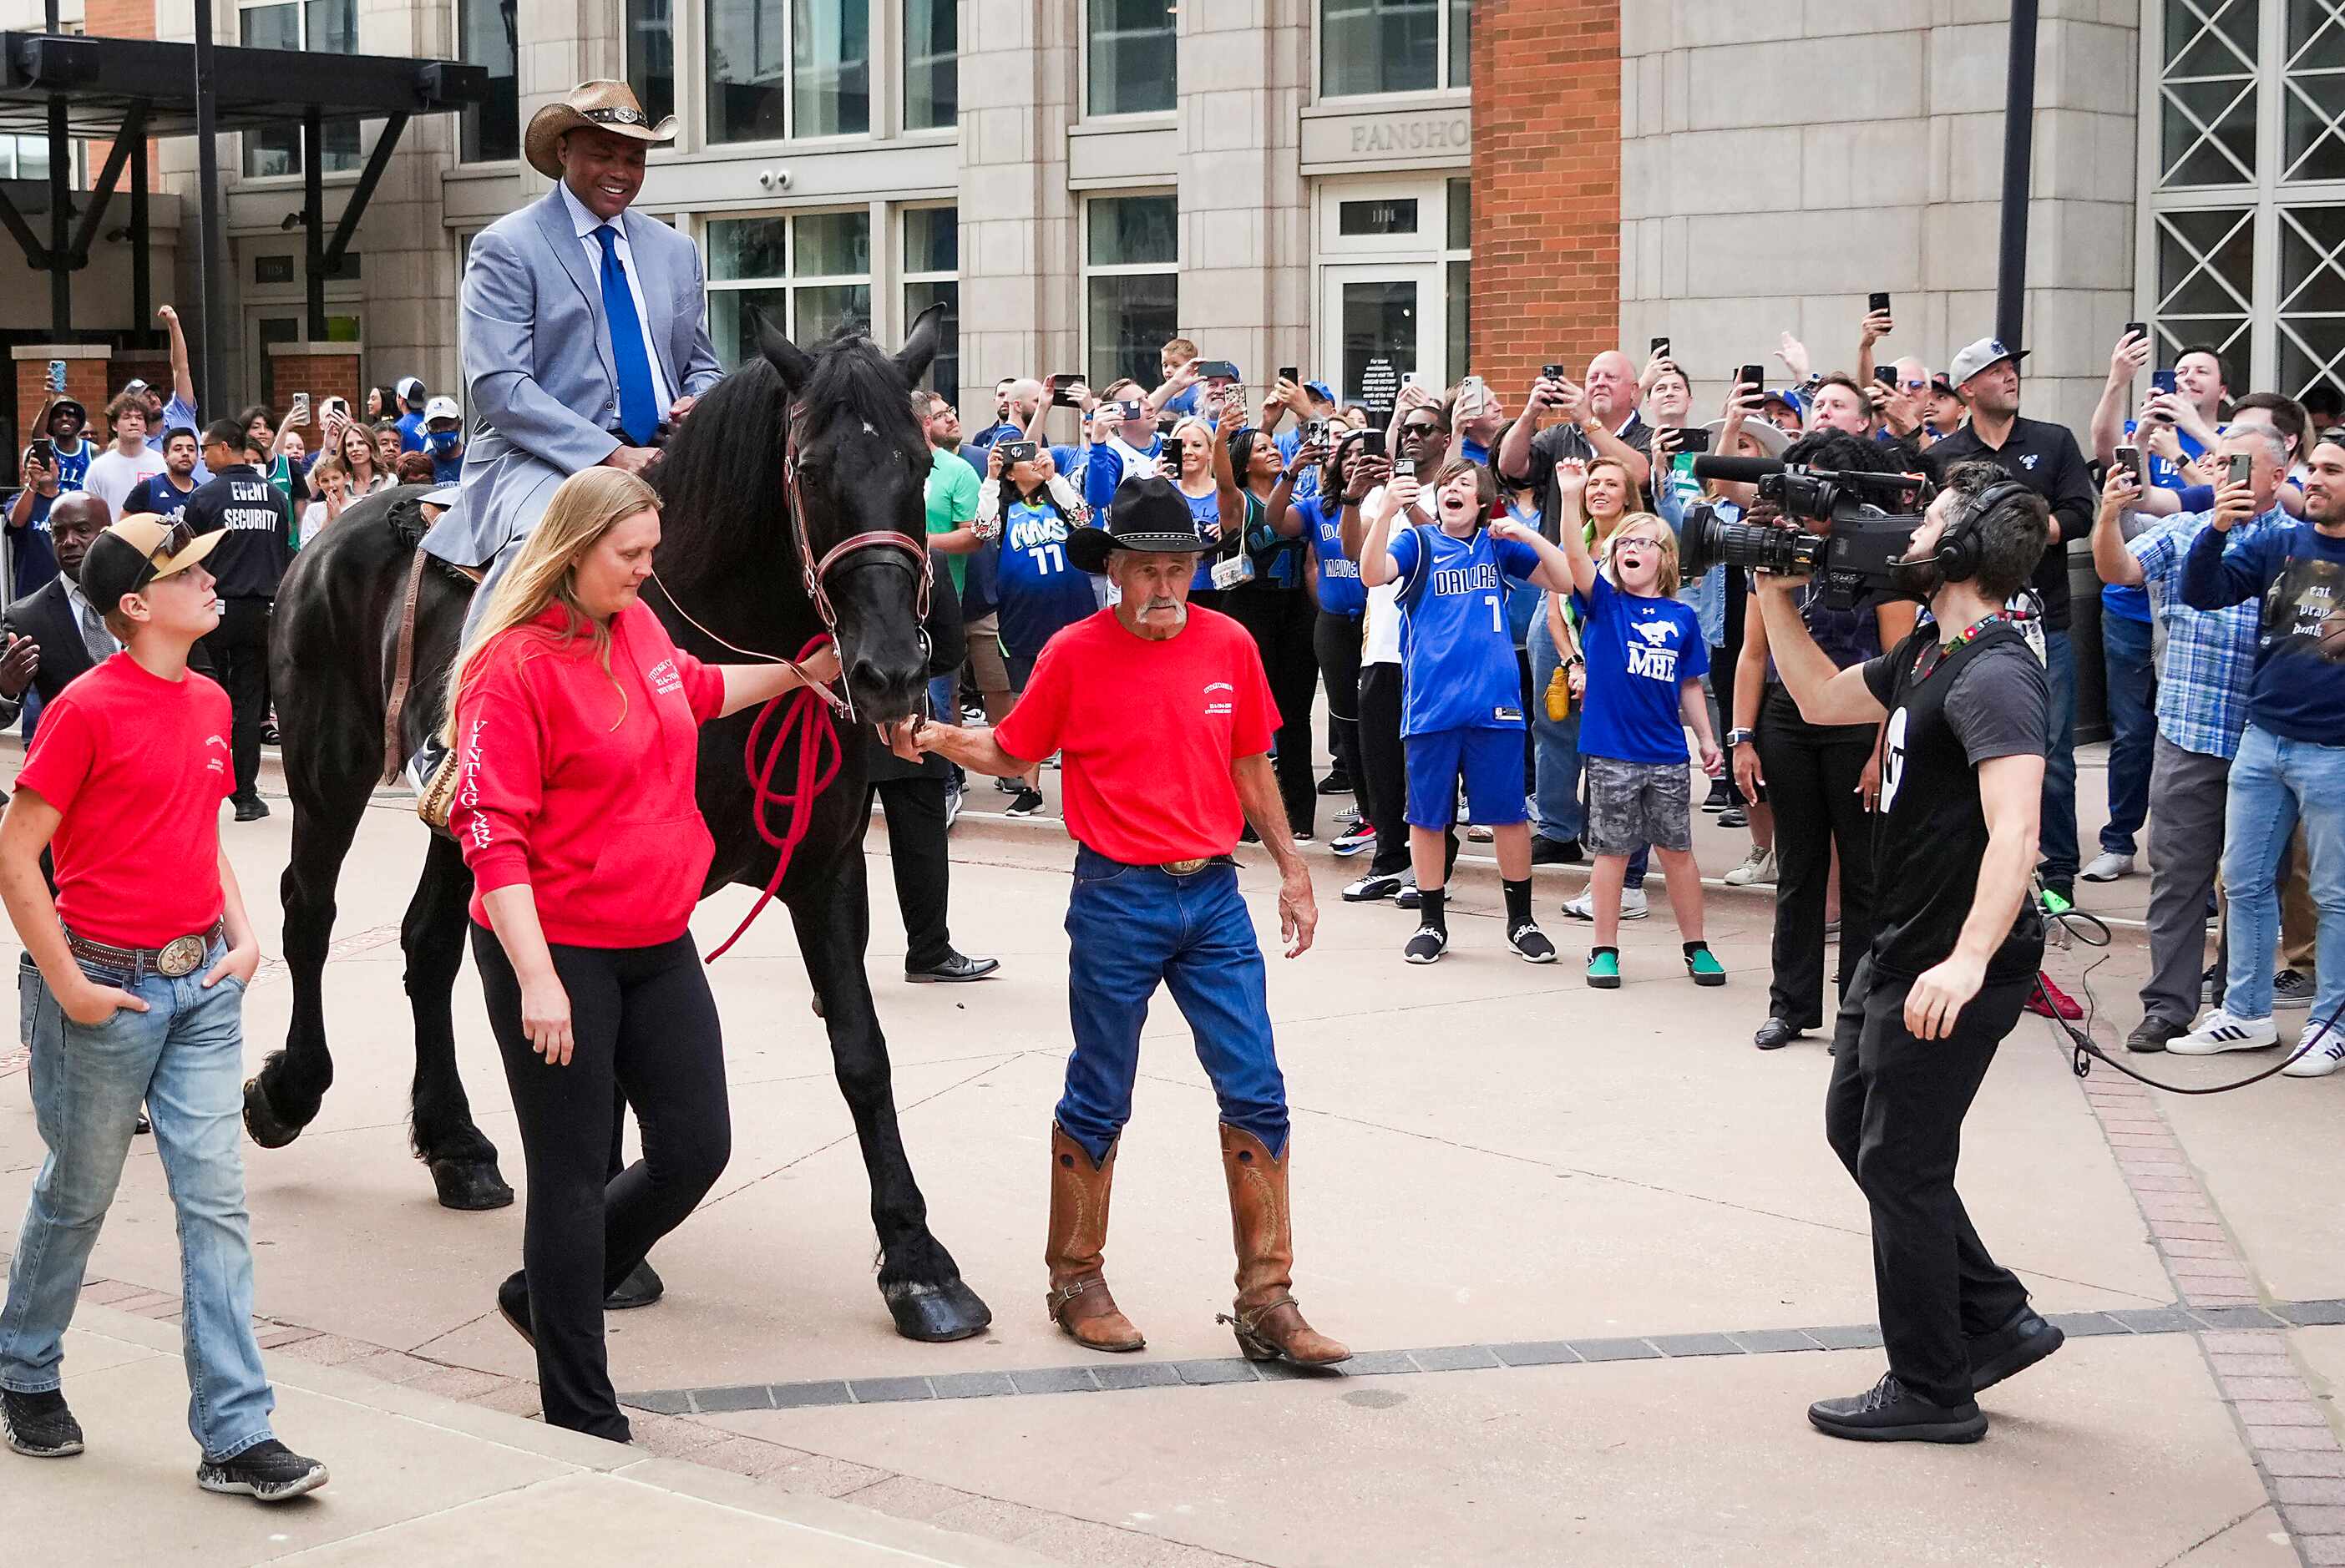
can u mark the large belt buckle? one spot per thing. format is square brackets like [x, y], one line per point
[179, 957]
[1185, 867]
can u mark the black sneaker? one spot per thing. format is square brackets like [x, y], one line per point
[1025, 803]
[1733, 816]
[1722, 795]
[2292, 988]
[39, 1425]
[641, 1288]
[248, 807]
[1889, 1411]
[1375, 884]
[1530, 944]
[1427, 945]
[2151, 1034]
[2210, 985]
[1546, 851]
[1337, 781]
[268, 1472]
[2019, 1345]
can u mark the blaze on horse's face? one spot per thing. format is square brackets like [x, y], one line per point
[863, 468]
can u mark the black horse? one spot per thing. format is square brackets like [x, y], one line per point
[729, 560]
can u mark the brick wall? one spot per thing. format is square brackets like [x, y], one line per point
[1546, 186]
[88, 381]
[321, 375]
[120, 18]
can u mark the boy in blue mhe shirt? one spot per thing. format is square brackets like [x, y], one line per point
[2291, 764]
[1646, 657]
[1462, 712]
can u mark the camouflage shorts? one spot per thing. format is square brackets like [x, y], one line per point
[1635, 804]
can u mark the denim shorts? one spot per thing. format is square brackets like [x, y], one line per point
[1633, 804]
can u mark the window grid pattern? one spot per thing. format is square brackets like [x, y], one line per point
[807, 275]
[1131, 285]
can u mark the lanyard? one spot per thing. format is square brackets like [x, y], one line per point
[1935, 653]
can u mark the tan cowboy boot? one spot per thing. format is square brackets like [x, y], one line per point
[1079, 1300]
[1268, 1324]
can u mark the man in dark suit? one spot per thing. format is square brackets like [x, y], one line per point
[66, 636]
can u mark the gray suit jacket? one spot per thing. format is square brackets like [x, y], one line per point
[538, 368]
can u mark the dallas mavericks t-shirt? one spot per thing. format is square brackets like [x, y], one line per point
[1038, 592]
[1639, 649]
[1456, 654]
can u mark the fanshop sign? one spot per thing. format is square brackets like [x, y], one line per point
[1401, 137]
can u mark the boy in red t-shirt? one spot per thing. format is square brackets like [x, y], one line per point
[144, 953]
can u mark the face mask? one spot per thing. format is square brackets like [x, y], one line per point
[442, 443]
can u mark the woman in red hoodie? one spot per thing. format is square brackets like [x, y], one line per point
[576, 721]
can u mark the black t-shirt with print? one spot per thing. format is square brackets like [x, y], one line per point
[1989, 698]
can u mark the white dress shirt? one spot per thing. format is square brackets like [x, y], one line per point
[586, 223]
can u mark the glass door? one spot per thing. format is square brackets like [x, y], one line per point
[1379, 324]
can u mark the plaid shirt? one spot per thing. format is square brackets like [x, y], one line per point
[2210, 654]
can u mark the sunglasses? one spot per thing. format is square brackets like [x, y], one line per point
[181, 536]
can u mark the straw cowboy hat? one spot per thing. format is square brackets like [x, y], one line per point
[591, 105]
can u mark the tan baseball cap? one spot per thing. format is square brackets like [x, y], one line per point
[137, 551]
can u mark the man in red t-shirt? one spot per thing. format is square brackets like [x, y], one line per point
[1162, 719]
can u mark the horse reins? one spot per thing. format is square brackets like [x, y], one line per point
[806, 715]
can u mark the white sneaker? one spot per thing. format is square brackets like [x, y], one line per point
[2219, 1032]
[2319, 1061]
[1758, 866]
[1632, 905]
[2107, 867]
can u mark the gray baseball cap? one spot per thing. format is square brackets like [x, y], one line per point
[1979, 356]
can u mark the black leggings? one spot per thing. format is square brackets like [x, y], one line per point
[642, 1020]
[1282, 622]
[1336, 640]
[1811, 772]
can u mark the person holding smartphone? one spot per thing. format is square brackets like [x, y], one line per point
[33, 556]
[1215, 503]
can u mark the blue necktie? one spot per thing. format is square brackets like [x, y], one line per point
[639, 414]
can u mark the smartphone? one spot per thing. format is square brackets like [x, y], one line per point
[1661, 346]
[44, 452]
[1753, 375]
[2137, 330]
[1887, 376]
[1372, 444]
[2161, 380]
[1693, 441]
[299, 413]
[1219, 370]
[1471, 392]
[1131, 408]
[1552, 373]
[1315, 433]
[1876, 302]
[58, 377]
[1292, 373]
[2242, 468]
[1017, 452]
[2130, 460]
[1059, 398]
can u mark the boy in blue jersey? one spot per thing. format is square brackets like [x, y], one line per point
[1646, 657]
[1462, 710]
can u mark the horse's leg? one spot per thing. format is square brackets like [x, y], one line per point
[918, 1278]
[283, 1098]
[463, 1161]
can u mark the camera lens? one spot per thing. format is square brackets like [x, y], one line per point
[1708, 541]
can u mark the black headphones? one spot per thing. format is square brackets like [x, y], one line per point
[1959, 548]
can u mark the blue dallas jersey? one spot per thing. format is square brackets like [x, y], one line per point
[1458, 654]
[1639, 649]
[1340, 590]
[1037, 589]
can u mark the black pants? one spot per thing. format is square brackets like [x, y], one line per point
[643, 1020]
[239, 648]
[1894, 1114]
[1285, 625]
[1336, 641]
[1811, 772]
[916, 845]
[1382, 781]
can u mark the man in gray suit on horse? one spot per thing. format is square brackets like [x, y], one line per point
[584, 332]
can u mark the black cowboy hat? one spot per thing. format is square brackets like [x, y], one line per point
[1149, 513]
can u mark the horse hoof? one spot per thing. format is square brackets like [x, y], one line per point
[261, 1121]
[935, 1313]
[470, 1184]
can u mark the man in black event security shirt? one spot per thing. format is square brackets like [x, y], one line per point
[1955, 947]
[2044, 458]
[248, 564]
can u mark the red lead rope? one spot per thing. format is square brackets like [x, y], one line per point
[804, 716]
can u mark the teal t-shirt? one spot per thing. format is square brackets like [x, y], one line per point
[952, 502]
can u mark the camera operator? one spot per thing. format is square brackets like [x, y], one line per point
[1820, 780]
[1955, 947]
[2043, 457]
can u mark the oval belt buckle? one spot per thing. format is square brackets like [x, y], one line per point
[179, 957]
[1185, 867]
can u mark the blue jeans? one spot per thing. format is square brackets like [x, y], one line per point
[2056, 837]
[1556, 812]
[2275, 783]
[184, 1057]
[1131, 927]
[2132, 686]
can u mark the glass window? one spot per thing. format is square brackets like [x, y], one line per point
[491, 130]
[323, 26]
[931, 270]
[1461, 42]
[1459, 279]
[821, 48]
[651, 55]
[931, 64]
[758, 265]
[830, 60]
[1132, 290]
[1379, 46]
[1133, 58]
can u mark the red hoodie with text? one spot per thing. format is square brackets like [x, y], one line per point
[578, 781]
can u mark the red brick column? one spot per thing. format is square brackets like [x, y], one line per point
[88, 381]
[323, 370]
[1546, 186]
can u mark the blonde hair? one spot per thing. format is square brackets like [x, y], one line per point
[586, 507]
[1182, 430]
[1668, 583]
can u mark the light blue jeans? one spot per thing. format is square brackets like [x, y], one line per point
[184, 1059]
[2275, 783]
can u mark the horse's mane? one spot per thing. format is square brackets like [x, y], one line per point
[720, 478]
